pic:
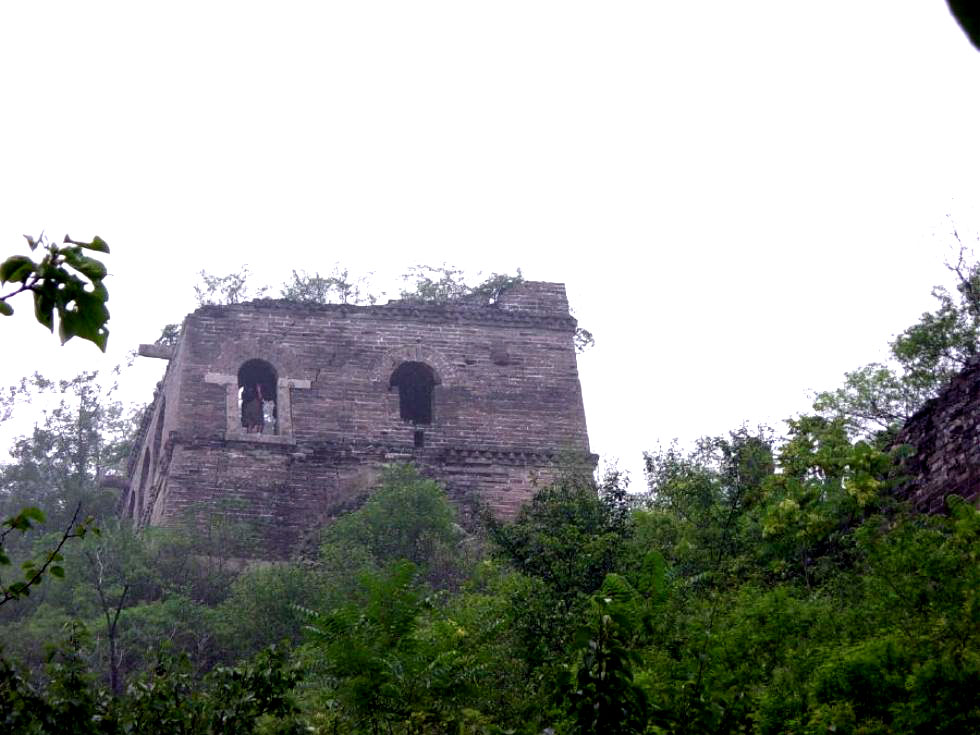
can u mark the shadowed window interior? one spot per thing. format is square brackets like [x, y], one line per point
[258, 382]
[144, 476]
[158, 431]
[415, 382]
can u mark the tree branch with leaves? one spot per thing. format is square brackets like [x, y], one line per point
[34, 571]
[65, 280]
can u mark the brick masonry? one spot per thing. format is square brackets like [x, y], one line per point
[507, 408]
[944, 436]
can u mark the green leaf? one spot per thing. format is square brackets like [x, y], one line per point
[66, 326]
[6, 309]
[34, 513]
[100, 292]
[44, 309]
[22, 521]
[89, 267]
[16, 268]
[97, 244]
[87, 320]
[57, 571]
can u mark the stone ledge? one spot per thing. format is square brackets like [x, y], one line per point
[438, 313]
[392, 451]
[161, 352]
[261, 438]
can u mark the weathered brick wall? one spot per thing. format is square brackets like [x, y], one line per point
[507, 403]
[945, 436]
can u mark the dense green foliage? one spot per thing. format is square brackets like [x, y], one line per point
[755, 588]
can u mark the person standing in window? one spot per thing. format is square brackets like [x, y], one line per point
[268, 415]
[252, 418]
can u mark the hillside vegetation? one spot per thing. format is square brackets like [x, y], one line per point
[763, 582]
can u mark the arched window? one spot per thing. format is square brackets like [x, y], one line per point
[158, 431]
[415, 382]
[144, 476]
[258, 382]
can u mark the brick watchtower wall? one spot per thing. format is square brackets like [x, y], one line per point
[504, 404]
[945, 437]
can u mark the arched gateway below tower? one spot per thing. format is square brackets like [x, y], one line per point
[280, 414]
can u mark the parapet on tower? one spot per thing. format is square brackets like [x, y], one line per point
[484, 398]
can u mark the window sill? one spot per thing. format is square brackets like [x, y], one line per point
[243, 436]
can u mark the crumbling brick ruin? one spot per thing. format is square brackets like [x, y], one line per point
[945, 438]
[485, 398]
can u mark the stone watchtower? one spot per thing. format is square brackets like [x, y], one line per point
[483, 398]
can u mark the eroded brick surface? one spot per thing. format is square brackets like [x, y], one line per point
[507, 405]
[945, 438]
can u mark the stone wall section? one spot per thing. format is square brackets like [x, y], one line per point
[507, 405]
[945, 438]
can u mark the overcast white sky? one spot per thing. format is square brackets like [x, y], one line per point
[744, 199]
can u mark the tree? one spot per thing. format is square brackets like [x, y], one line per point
[337, 288]
[66, 280]
[169, 335]
[406, 517]
[565, 541]
[570, 535]
[50, 562]
[874, 400]
[108, 577]
[364, 651]
[69, 282]
[446, 284]
[251, 697]
[945, 340]
[232, 288]
[877, 399]
[84, 435]
[599, 689]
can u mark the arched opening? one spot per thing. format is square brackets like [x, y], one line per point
[258, 382]
[158, 430]
[415, 382]
[144, 476]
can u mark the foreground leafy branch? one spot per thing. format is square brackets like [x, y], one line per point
[66, 280]
[23, 521]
